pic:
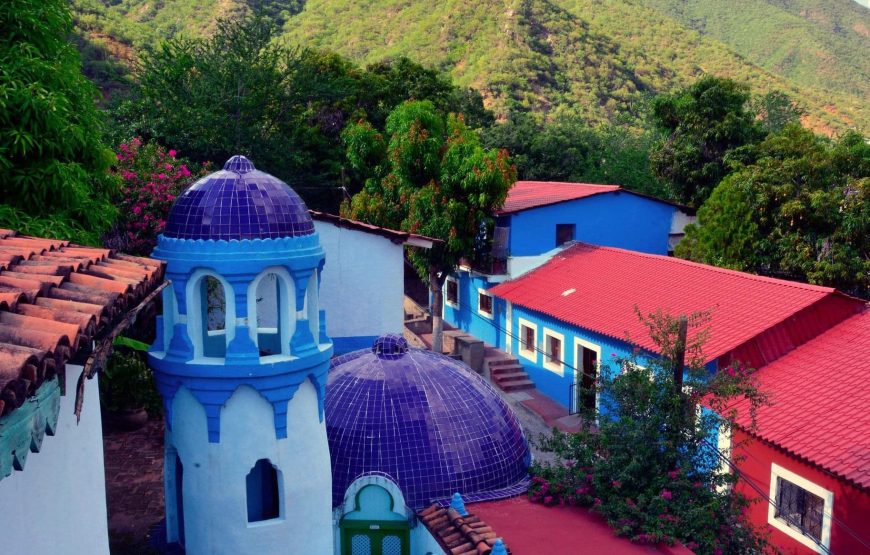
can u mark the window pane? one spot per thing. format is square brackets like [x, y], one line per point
[799, 508]
[262, 486]
[564, 233]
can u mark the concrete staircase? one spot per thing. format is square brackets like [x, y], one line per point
[507, 373]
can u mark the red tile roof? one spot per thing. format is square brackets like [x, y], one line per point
[458, 535]
[531, 528]
[820, 401]
[529, 194]
[598, 288]
[55, 298]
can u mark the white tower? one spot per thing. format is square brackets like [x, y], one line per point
[247, 467]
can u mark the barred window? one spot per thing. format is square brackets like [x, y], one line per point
[799, 508]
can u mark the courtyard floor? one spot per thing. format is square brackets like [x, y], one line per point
[134, 486]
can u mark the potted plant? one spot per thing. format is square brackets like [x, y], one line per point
[127, 388]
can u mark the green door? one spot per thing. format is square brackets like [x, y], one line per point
[375, 537]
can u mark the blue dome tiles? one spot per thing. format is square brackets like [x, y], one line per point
[238, 202]
[424, 419]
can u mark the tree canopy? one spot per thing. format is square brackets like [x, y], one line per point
[702, 124]
[54, 178]
[795, 206]
[242, 91]
[429, 175]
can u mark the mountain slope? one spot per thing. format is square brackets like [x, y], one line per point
[594, 59]
[821, 43]
[565, 55]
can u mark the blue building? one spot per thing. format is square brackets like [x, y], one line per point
[577, 312]
[538, 220]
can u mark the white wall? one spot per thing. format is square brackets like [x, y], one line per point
[362, 287]
[57, 505]
[215, 492]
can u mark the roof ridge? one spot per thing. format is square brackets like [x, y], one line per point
[707, 267]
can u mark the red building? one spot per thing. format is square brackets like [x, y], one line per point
[808, 460]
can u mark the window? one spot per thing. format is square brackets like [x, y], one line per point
[484, 303]
[564, 233]
[554, 350]
[801, 508]
[451, 292]
[214, 309]
[528, 340]
[269, 315]
[263, 492]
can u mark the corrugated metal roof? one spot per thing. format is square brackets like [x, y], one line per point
[820, 401]
[598, 288]
[529, 194]
[55, 298]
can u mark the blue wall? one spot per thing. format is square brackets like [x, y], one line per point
[620, 220]
[467, 317]
[549, 382]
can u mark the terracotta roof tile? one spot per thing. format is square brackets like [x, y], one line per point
[55, 298]
[458, 535]
[598, 288]
[819, 399]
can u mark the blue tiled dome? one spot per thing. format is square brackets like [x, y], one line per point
[427, 421]
[238, 202]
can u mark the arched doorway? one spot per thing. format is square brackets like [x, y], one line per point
[374, 527]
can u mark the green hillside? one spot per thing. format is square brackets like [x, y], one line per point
[821, 43]
[596, 59]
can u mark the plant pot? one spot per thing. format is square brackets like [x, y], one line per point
[128, 420]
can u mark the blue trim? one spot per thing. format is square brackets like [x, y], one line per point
[343, 345]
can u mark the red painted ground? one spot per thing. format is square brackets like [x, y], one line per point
[531, 529]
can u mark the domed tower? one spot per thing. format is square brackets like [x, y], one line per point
[407, 428]
[241, 359]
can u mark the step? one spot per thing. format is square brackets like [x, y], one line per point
[501, 361]
[505, 369]
[512, 377]
[517, 386]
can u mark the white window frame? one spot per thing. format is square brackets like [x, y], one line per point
[578, 377]
[532, 354]
[557, 367]
[777, 471]
[485, 314]
[447, 301]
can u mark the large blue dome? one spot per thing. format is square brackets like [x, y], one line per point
[425, 420]
[238, 202]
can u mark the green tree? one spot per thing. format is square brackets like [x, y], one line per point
[243, 91]
[796, 206]
[567, 149]
[649, 467]
[429, 175]
[702, 124]
[54, 177]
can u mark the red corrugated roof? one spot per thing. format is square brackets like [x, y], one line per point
[529, 194]
[598, 288]
[820, 401]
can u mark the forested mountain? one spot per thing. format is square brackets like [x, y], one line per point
[822, 43]
[596, 59]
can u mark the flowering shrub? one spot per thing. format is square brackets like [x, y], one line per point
[152, 178]
[649, 468]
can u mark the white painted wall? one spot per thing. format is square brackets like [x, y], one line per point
[679, 221]
[215, 493]
[362, 286]
[57, 505]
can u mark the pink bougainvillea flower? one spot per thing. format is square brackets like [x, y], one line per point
[616, 484]
[667, 495]
[673, 474]
[172, 153]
